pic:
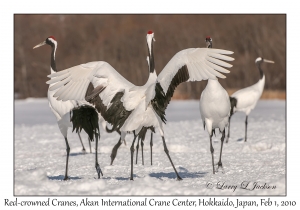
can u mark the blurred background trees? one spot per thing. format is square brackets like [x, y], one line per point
[121, 41]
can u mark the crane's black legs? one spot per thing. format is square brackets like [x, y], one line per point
[137, 150]
[167, 152]
[114, 151]
[97, 166]
[83, 148]
[222, 141]
[89, 144]
[142, 144]
[132, 151]
[67, 162]
[151, 145]
[246, 123]
[212, 153]
[228, 129]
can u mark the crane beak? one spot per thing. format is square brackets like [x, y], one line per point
[40, 44]
[268, 61]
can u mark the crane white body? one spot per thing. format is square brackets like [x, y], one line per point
[245, 100]
[61, 110]
[214, 106]
[247, 97]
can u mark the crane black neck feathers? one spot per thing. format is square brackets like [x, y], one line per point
[261, 73]
[53, 64]
[151, 58]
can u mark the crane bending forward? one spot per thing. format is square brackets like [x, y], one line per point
[244, 100]
[136, 108]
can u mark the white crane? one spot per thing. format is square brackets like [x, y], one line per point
[138, 108]
[214, 110]
[61, 109]
[244, 100]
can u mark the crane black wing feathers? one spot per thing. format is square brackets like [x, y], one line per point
[92, 93]
[115, 114]
[85, 117]
[161, 100]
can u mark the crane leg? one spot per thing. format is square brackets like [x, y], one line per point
[246, 123]
[132, 152]
[212, 153]
[97, 166]
[83, 148]
[67, 161]
[142, 144]
[90, 144]
[228, 133]
[222, 141]
[167, 152]
[114, 151]
[151, 145]
[137, 150]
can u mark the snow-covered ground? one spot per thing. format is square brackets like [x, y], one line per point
[40, 156]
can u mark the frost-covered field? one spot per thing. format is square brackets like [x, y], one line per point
[40, 156]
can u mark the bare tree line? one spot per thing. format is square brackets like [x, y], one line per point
[120, 41]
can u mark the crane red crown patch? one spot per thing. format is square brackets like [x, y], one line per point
[208, 37]
[52, 37]
[150, 32]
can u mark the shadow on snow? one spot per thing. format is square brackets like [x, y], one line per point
[61, 177]
[183, 173]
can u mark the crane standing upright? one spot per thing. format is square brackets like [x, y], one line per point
[214, 110]
[61, 109]
[141, 137]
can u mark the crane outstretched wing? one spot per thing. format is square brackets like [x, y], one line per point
[72, 83]
[97, 82]
[193, 64]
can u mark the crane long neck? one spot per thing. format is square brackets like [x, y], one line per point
[53, 64]
[151, 57]
[260, 70]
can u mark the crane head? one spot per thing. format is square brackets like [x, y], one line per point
[260, 60]
[208, 41]
[150, 39]
[150, 36]
[50, 41]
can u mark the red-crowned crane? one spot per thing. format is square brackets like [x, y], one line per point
[61, 109]
[214, 110]
[142, 137]
[244, 100]
[138, 108]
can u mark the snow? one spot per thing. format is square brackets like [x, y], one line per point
[40, 155]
